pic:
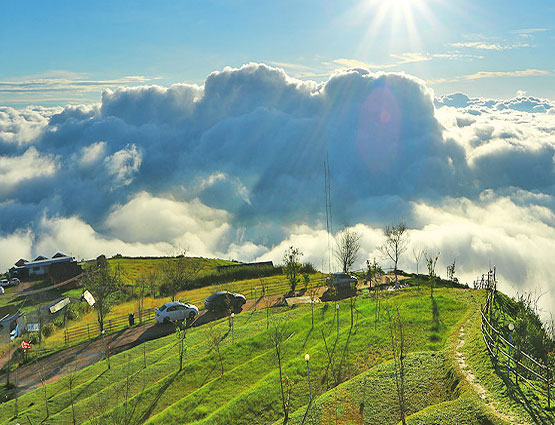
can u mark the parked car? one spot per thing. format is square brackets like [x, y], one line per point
[224, 299]
[1, 290]
[175, 311]
[12, 282]
[341, 280]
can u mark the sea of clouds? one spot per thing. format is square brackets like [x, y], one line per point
[235, 169]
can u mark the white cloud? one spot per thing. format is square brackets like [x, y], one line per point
[123, 165]
[92, 153]
[234, 168]
[25, 125]
[29, 166]
[149, 219]
[489, 46]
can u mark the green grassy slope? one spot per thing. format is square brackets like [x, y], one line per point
[143, 384]
[135, 268]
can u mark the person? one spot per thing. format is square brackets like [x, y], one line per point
[131, 319]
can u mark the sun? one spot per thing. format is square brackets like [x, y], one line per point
[394, 18]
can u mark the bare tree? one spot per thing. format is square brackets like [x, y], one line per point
[104, 284]
[140, 287]
[177, 273]
[278, 337]
[180, 334]
[71, 381]
[292, 265]
[313, 294]
[398, 349]
[347, 248]
[43, 384]
[418, 253]
[396, 241]
[431, 264]
[215, 341]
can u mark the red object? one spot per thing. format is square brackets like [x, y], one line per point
[25, 345]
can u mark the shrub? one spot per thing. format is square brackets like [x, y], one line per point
[308, 267]
[48, 329]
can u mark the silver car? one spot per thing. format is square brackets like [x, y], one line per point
[175, 311]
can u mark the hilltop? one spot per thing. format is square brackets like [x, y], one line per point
[224, 382]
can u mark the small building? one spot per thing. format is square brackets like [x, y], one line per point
[40, 266]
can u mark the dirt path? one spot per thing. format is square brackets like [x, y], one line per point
[471, 379]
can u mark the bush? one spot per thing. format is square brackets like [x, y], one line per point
[308, 267]
[34, 338]
[48, 329]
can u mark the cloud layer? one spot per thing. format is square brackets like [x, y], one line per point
[234, 168]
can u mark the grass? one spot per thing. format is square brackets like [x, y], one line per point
[359, 388]
[248, 391]
[136, 268]
[277, 285]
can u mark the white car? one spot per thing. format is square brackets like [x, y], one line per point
[12, 282]
[175, 311]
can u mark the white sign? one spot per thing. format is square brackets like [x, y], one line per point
[59, 305]
[89, 298]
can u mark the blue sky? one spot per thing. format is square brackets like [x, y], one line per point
[53, 53]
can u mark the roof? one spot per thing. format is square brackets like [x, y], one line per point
[21, 262]
[47, 261]
[172, 303]
[40, 258]
[58, 255]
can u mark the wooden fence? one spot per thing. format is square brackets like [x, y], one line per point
[113, 324]
[506, 355]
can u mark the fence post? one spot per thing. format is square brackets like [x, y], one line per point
[65, 336]
[88, 332]
[110, 325]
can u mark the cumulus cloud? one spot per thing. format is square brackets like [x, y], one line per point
[23, 126]
[235, 168]
[26, 167]
[123, 165]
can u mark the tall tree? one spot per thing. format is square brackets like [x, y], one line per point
[177, 272]
[347, 248]
[104, 284]
[292, 266]
[396, 241]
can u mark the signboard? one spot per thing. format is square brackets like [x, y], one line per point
[59, 305]
[89, 298]
[25, 345]
[33, 327]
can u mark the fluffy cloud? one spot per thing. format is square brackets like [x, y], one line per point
[234, 168]
[19, 169]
